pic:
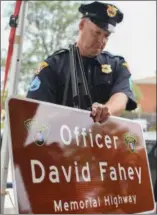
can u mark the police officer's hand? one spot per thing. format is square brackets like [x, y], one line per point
[100, 112]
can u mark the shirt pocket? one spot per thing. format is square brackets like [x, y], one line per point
[103, 85]
[104, 79]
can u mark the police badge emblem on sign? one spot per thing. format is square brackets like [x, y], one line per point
[64, 163]
[38, 131]
[130, 141]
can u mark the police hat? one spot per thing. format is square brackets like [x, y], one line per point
[104, 15]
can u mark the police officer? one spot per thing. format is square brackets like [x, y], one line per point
[108, 76]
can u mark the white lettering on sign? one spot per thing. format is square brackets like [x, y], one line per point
[40, 178]
[66, 134]
[82, 134]
[87, 203]
[60, 206]
[119, 172]
[82, 173]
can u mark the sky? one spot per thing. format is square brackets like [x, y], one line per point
[134, 39]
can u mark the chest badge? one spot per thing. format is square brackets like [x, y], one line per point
[106, 68]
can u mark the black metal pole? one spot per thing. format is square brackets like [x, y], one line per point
[76, 66]
[86, 93]
[74, 78]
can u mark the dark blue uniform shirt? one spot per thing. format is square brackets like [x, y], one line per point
[106, 75]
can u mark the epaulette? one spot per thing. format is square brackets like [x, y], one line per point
[112, 56]
[60, 51]
[50, 58]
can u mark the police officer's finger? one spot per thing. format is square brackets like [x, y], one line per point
[105, 117]
[105, 110]
[105, 114]
[99, 110]
[93, 112]
[94, 109]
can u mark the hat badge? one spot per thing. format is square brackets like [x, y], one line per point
[111, 11]
[106, 68]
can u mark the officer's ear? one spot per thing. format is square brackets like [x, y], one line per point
[82, 23]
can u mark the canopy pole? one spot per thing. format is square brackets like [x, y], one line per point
[12, 90]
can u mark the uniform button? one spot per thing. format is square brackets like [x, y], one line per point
[108, 82]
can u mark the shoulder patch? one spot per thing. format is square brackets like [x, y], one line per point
[35, 84]
[42, 65]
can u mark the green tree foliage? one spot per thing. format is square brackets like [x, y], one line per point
[137, 92]
[50, 25]
[2, 61]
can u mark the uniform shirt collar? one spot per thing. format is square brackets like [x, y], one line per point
[92, 60]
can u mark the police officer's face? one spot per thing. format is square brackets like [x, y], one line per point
[92, 38]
